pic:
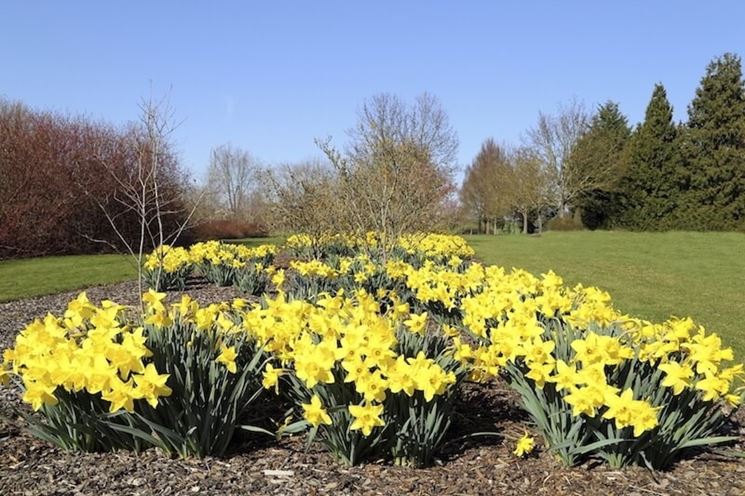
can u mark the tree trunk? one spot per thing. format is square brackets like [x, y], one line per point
[562, 209]
[525, 223]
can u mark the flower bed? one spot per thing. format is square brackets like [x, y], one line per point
[371, 351]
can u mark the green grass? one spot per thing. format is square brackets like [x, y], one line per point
[649, 275]
[49, 275]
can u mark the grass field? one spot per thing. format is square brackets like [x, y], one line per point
[649, 275]
[48, 275]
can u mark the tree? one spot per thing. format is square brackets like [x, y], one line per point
[597, 165]
[304, 198]
[485, 189]
[233, 180]
[649, 186]
[713, 172]
[396, 176]
[553, 139]
[385, 119]
[529, 187]
[146, 190]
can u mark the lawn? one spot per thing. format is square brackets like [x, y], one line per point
[48, 275]
[649, 275]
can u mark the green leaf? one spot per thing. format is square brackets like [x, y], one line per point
[708, 441]
[253, 428]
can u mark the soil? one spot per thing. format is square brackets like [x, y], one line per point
[257, 465]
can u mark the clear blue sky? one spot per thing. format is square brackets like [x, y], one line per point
[271, 76]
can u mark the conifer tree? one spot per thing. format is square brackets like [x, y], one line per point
[598, 157]
[649, 187]
[713, 172]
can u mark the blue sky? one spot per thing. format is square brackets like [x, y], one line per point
[271, 76]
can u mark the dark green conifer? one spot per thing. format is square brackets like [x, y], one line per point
[597, 160]
[713, 170]
[650, 188]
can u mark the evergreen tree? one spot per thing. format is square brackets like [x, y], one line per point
[649, 187]
[598, 157]
[713, 173]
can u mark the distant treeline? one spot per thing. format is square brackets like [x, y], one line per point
[658, 175]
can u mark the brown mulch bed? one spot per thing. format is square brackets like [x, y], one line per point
[262, 466]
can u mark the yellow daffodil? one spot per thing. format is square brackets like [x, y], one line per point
[227, 357]
[366, 417]
[677, 376]
[154, 301]
[524, 445]
[271, 377]
[315, 413]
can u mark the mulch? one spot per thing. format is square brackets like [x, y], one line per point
[260, 465]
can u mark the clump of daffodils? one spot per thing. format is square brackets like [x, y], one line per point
[223, 263]
[88, 350]
[435, 246]
[102, 379]
[167, 268]
[346, 365]
[589, 374]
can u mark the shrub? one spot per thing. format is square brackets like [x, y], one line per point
[228, 229]
[567, 223]
[54, 183]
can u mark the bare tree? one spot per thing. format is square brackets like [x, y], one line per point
[530, 186]
[232, 178]
[553, 140]
[385, 118]
[396, 176]
[142, 188]
[485, 192]
[303, 198]
[394, 191]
